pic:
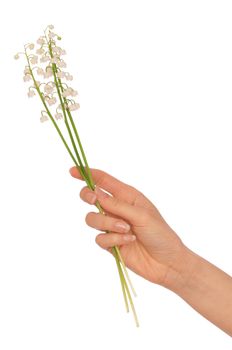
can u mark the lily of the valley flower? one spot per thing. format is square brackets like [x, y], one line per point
[43, 118]
[58, 116]
[74, 106]
[44, 61]
[34, 59]
[31, 93]
[50, 61]
[27, 77]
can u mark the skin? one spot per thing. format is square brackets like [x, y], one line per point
[151, 248]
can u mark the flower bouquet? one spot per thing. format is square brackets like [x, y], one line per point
[44, 61]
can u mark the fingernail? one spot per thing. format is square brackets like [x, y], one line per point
[123, 226]
[129, 238]
[91, 197]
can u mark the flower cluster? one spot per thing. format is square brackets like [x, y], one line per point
[45, 71]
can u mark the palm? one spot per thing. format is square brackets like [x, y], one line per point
[144, 256]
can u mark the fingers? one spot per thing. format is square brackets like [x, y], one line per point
[115, 206]
[89, 196]
[110, 184]
[109, 240]
[106, 223]
[132, 214]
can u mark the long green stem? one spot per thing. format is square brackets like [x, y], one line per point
[78, 139]
[118, 257]
[89, 180]
[125, 270]
[122, 280]
[59, 86]
[81, 148]
[87, 176]
[68, 127]
[132, 305]
[117, 251]
[54, 70]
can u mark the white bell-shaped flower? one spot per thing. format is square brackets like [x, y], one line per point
[74, 106]
[59, 116]
[31, 93]
[34, 59]
[43, 118]
[27, 77]
[44, 59]
[61, 74]
[41, 41]
[48, 89]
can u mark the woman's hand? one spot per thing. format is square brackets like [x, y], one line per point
[153, 250]
[147, 243]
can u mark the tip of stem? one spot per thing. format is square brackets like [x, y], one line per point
[136, 320]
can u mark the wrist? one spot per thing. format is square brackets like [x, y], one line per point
[180, 273]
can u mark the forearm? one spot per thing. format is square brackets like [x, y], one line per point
[203, 286]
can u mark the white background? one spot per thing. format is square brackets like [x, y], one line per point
[155, 89]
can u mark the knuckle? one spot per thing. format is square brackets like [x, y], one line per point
[98, 172]
[101, 175]
[115, 239]
[113, 201]
[132, 189]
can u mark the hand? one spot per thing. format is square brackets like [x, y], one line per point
[147, 243]
[153, 250]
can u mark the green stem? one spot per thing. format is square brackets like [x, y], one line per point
[89, 180]
[81, 148]
[86, 176]
[125, 270]
[132, 305]
[82, 170]
[122, 279]
[54, 70]
[118, 257]
[117, 251]
[92, 185]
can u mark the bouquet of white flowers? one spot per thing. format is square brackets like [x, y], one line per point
[45, 61]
